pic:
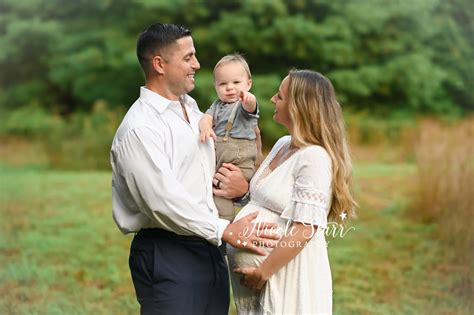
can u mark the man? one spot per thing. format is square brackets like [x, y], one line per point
[162, 186]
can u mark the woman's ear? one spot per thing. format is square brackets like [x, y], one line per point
[158, 64]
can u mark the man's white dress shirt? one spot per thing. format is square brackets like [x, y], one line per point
[162, 174]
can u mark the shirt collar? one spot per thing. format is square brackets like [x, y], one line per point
[230, 103]
[160, 103]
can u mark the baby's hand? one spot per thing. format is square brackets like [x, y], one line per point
[248, 99]
[206, 134]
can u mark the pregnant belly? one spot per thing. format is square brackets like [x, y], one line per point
[242, 258]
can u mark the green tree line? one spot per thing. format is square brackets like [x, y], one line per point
[382, 55]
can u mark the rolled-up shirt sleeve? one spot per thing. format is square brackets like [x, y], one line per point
[255, 114]
[146, 171]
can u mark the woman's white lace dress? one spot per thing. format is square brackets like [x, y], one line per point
[297, 190]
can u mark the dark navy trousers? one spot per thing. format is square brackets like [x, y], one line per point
[175, 274]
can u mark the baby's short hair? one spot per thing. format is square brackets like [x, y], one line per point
[233, 58]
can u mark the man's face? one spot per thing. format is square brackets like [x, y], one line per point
[180, 66]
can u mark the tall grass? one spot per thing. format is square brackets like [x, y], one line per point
[445, 158]
[381, 139]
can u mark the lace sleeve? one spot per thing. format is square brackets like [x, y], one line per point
[311, 198]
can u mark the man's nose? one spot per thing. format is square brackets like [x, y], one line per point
[196, 64]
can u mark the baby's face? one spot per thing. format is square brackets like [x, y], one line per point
[229, 80]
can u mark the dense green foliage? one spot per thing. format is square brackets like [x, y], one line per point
[380, 54]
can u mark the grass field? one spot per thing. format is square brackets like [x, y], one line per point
[60, 252]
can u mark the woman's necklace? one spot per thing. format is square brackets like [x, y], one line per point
[284, 154]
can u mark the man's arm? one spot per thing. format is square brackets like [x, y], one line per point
[249, 236]
[159, 195]
[146, 171]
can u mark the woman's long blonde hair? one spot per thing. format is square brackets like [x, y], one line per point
[317, 119]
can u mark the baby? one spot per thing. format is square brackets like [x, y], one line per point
[231, 121]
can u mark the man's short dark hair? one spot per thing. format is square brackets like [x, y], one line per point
[156, 37]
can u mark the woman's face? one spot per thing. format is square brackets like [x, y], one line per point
[280, 100]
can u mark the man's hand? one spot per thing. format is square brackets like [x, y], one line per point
[249, 101]
[229, 182]
[247, 235]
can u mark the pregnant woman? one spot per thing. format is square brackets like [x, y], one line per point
[304, 180]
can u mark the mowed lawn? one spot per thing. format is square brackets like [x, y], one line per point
[61, 253]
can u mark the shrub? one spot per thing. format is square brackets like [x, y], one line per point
[444, 154]
[82, 141]
[31, 120]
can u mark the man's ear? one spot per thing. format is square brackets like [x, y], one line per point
[158, 64]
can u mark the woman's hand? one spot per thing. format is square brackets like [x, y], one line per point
[252, 277]
[281, 255]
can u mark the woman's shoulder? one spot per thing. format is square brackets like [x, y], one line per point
[280, 142]
[283, 140]
[315, 153]
[313, 161]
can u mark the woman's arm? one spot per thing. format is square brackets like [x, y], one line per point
[287, 248]
[311, 195]
[258, 140]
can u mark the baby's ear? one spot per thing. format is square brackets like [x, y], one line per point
[249, 85]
